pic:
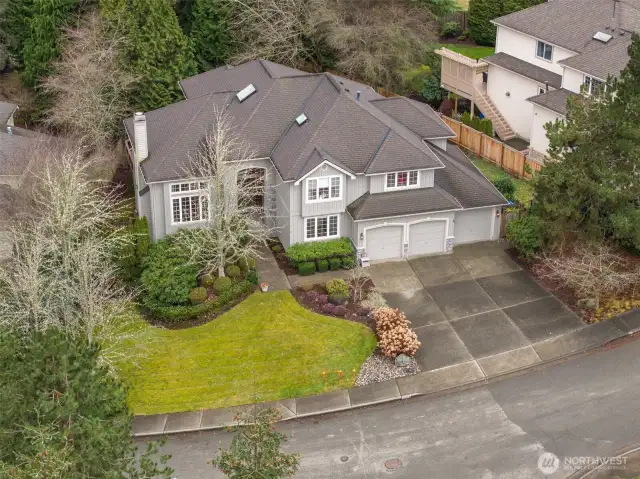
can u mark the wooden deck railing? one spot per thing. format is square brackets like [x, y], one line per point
[492, 150]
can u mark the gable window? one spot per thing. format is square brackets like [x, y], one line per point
[544, 51]
[541, 90]
[321, 227]
[593, 85]
[326, 188]
[189, 202]
[402, 179]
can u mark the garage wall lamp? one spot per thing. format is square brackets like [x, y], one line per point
[361, 236]
[497, 213]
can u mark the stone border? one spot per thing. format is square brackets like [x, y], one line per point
[429, 383]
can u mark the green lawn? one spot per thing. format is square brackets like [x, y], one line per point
[524, 188]
[470, 51]
[268, 347]
[464, 4]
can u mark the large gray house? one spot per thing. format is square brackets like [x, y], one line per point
[341, 160]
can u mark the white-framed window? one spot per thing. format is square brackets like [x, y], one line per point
[402, 179]
[325, 188]
[593, 85]
[189, 202]
[321, 227]
[544, 50]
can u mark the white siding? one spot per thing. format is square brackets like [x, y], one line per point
[378, 182]
[357, 187]
[321, 208]
[157, 222]
[524, 47]
[297, 228]
[440, 143]
[572, 80]
[283, 214]
[541, 116]
[426, 178]
[515, 108]
[476, 225]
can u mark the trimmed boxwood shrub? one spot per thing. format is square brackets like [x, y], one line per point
[334, 263]
[168, 276]
[220, 285]
[348, 262]
[198, 295]
[337, 286]
[206, 280]
[306, 268]
[233, 271]
[184, 313]
[315, 250]
[322, 264]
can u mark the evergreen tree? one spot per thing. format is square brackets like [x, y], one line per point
[63, 415]
[184, 11]
[481, 12]
[14, 25]
[591, 186]
[157, 52]
[210, 33]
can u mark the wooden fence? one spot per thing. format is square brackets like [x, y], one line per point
[492, 150]
[462, 17]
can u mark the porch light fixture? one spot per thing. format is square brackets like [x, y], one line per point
[361, 236]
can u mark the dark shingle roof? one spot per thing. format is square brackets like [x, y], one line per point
[356, 133]
[14, 150]
[526, 69]
[610, 59]
[464, 181]
[571, 24]
[555, 100]
[381, 205]
[6, 110]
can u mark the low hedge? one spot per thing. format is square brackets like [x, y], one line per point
[315, 250]
[322, 265]
[184, 313]
[335, 263]
[306, 268]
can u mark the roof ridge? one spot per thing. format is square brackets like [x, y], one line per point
[375, 153]
[445, 193]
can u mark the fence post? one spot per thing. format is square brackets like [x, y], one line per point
[502, 155]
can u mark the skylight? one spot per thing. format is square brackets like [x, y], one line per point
[302, 119]
[246, 92]
[602, 37]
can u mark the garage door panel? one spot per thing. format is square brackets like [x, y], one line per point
[427, 237]
[472, 226]
[384, 242]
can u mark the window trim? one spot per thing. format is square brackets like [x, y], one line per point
[322, 238]
[394, 188]
[318, 199]
[589, 90]
[541, 90]
[201, 192]
[538, 42]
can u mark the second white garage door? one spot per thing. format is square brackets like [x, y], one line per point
[384, 242]
[427, 237]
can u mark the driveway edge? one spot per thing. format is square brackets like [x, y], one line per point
[429, 383]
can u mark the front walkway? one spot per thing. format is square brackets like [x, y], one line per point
[270, 272]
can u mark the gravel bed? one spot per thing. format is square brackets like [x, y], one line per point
[378, 368]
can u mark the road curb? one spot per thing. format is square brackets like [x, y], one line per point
[384, 392]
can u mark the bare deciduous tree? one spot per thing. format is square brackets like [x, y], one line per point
[237, 201]
[358, 278]
[90, 88]
[592, 270]
[283, 31]
[62, 272]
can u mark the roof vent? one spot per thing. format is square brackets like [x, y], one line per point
[302, 119]
[602, 37]
[246, 92]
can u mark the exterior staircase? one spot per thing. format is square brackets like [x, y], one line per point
[490, 111]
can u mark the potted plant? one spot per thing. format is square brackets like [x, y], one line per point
[264, 287]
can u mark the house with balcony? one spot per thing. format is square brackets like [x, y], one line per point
[337, 160]
[544, 54]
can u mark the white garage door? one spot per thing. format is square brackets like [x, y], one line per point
[384, 242]
[427, 237]
[472, 226]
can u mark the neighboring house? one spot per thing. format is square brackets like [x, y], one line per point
[543, 55]
[342, 161]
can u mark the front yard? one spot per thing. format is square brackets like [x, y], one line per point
[266, 348]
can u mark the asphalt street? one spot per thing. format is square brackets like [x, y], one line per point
[584, 407]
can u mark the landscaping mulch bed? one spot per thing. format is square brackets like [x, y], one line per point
[378, 368]
[354, 312]
[281, 257]
[609, 306]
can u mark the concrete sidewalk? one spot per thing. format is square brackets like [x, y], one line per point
[270, 272]
[439, 381]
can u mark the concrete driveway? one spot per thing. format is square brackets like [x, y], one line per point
[476, 304]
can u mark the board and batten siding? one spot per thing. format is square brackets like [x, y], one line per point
[322, 208]
[357, 187]
[283, 213]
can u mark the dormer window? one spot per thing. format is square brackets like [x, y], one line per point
[326, 188]
[544, 51]
[402, 179]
